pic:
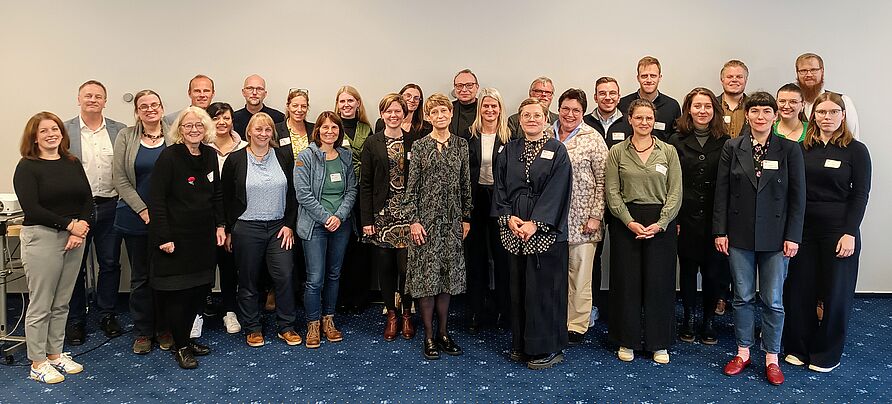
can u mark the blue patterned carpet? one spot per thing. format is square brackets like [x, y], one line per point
[364, 368]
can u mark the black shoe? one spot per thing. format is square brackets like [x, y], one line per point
[109, 325]
[473, 325]
[546, 361]
[574, 338]
[75, 335]
[707, 333]
[184, 358]
[210, 308]
[430, 350]
[686, 331]
[448, 346]
[198, 349]
[518, 356]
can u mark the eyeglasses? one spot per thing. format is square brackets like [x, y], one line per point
[254, 89]
[792, 103]
[146, 107]
[189, 126]
[833, 113]
[408, 98]
[465, 86]
[299, 91]
[568, 110]
[803, 72]
[538, 93]
[526, 116]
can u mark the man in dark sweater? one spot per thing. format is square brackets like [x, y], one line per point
[464, 108]
[607, 119]
[254, 92]
[649, 76]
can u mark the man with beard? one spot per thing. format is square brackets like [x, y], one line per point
[733, 76]
[649, 76]
[201, 92]
[810, 77]
[542, 89]
[254, 92]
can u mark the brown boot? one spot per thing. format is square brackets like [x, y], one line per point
[408, 327]
[312, 339]
[328, 328]
[390, 326]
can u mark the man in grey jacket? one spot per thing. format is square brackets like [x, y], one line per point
[92, 139]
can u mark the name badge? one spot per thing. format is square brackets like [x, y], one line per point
[500, 149]
[285, 141]
[618, 136]
[335, 177]
[659, 126]
[661, 169]
[832, 163]
[211, 176]
[727, 119]
[408, 155]
[547, 154]
[769, 164]
[345, 143]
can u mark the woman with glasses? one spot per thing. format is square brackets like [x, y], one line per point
[757, 222]
[136, 150]
[414, 121]
[644, 194]
[186, 228]
[837, 183]
[791, 123]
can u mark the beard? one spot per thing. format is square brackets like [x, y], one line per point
[809, 93]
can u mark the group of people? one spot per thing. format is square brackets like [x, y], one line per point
[438, 198]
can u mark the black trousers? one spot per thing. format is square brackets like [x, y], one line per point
[254, 242]
[178, 309]
[391, 266]
[538, 287]
[228, 279]
[354, 284]
[709, 266]
[815, 272]
[642, 284]
[484, 255]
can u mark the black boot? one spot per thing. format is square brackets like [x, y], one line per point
[686, 331]
[707, 333]
[185, 358]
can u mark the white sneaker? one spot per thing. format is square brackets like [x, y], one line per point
[196, 327]
[230, 321]
[625, 354]
[46, 373]
[661, 356]
[66, 364]
[793, 360]
[593, 317]
[822, 370]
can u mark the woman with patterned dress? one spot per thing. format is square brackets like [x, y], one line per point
[438, 204]
[381, 190]
[533, 182]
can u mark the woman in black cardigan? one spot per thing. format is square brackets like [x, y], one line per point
[261, 211]
[385, 167]
[701, 135]
[186, 227]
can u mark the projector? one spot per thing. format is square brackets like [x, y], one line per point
[9, 204]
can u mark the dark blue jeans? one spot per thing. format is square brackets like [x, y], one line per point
[108, 253]
[142, 301]
[324, 254]
[252, 242]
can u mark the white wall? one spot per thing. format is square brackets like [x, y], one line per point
[49, 48]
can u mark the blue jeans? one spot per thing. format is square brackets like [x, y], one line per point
[324, 254]
[772, 270]
[108, 253]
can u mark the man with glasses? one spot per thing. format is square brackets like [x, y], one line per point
[733, 76]
[200, 91]
[541, 89]
[254, 92]
[649, 76]
[606, 118]
[810, 77]
[92, 138]
[465, 106]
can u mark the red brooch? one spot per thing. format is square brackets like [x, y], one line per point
[191, 180]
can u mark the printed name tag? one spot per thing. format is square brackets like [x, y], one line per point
[618, 136]
[408, 155]
[769, 164]
[547, 154]
[832, 163]
[500, 149]
[728, 119]
[285, 141]
[345, 143]
[211, 176]
[659, 126]
[661, 169]
[335, 177]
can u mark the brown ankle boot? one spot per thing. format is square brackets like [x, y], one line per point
[408, 327]
[390, 326]
[328, 328]
[312, 339]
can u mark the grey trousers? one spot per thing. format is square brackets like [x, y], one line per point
[51, 273]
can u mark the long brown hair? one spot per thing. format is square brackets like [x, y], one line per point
[418, 115]
[29, 148]
[685, 123]
[335, 119]
[841, 137]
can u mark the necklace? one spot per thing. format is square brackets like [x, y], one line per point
[153, 137]
[652, 142]
[787, 135]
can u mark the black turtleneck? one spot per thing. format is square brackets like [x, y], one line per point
[463, 116]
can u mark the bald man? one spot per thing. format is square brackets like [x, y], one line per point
[254, 92]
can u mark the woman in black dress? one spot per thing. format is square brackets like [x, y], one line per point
[186, 228]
